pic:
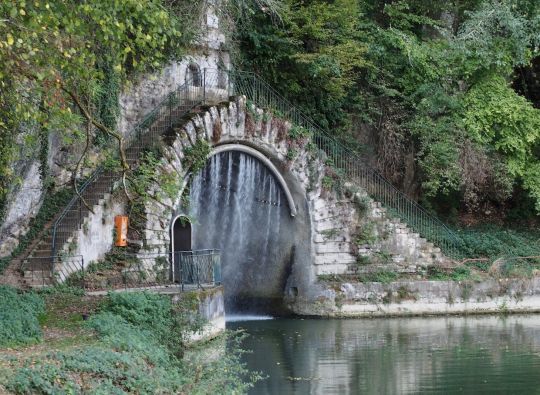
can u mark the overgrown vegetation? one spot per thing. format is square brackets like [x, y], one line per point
[432, 86]
[138, 346]
[19, 314]
[63, 65]
[52, 204]
[196, 155]
[493, 242]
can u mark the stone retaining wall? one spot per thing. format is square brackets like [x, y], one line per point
[407, 298]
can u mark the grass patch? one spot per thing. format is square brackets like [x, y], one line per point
[19, 313]
[66, 308]
[460, 273]
[138, 347]
[379, 276]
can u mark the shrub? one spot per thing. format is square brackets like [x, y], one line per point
[19, 314]
[130, 356]
[142, 309]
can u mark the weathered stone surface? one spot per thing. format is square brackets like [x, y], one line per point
[23, 206]
[405, 298]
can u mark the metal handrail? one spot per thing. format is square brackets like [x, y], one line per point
[74, 263]
[349, 161]
[143, 126]
[417, 218]
[197, 267]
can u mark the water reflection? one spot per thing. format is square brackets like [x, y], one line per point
[396, 356]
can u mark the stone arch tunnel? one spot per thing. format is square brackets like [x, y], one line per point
[239, 206]
[260, 199]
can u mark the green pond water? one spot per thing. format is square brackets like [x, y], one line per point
[450, 355]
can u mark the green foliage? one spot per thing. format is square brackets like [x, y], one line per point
[292, 154]
[130, 356]
[150, 172]
[365, 234]
[522, 268]
[495, 115]
[106, 98]
[428, 79]
[19, 314]
[298, 133]
[196, 155]
[144, 310]
[330, 233]
[52, 204]
[459, 273]
[379, 276]
[56, 56]
[314, 41]
[492, 242]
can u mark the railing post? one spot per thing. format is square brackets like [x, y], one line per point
[170, 103]
[204, 86]
[228, 74]
[83, 273]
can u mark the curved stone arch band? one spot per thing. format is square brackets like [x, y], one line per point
[258, 155]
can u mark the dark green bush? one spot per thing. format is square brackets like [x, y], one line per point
[133, 354]
[494, 241]
[19, 314]
[144, 310]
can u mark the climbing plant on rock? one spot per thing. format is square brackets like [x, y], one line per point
[196, 155]
[57, 58]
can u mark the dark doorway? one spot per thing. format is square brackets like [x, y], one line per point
[193, 75]
[181, 241]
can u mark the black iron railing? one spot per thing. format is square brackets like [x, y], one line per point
[198, 267]
[349, 163]
[219, 85]
[146, 133]
[51, 270]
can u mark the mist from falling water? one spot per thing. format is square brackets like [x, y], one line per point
[237, 206]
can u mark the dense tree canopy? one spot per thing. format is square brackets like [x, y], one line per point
[441, 96]
[434, 81]
[62, 63]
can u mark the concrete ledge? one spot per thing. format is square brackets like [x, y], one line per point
[417, 298]
[412, 308]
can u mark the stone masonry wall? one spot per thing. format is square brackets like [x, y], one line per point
[406, 298]
[136, 100]
[348, 232]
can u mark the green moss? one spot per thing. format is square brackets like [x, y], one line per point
[52, 204]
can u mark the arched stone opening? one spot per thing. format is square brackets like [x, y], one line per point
[181, 241]
[266, 162]
[239, 205]
[194, 75]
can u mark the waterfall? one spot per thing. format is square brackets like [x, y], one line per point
[238, 207]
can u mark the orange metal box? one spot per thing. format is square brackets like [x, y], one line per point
[121, 225]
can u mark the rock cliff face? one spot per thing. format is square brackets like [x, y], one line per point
[136, 100]
[24, 204]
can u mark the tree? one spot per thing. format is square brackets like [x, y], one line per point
[57, 57]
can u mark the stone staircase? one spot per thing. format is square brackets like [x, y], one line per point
[341, 241]
[353, 240]
[37, 264]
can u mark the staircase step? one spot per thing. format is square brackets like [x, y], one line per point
[42, 253]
